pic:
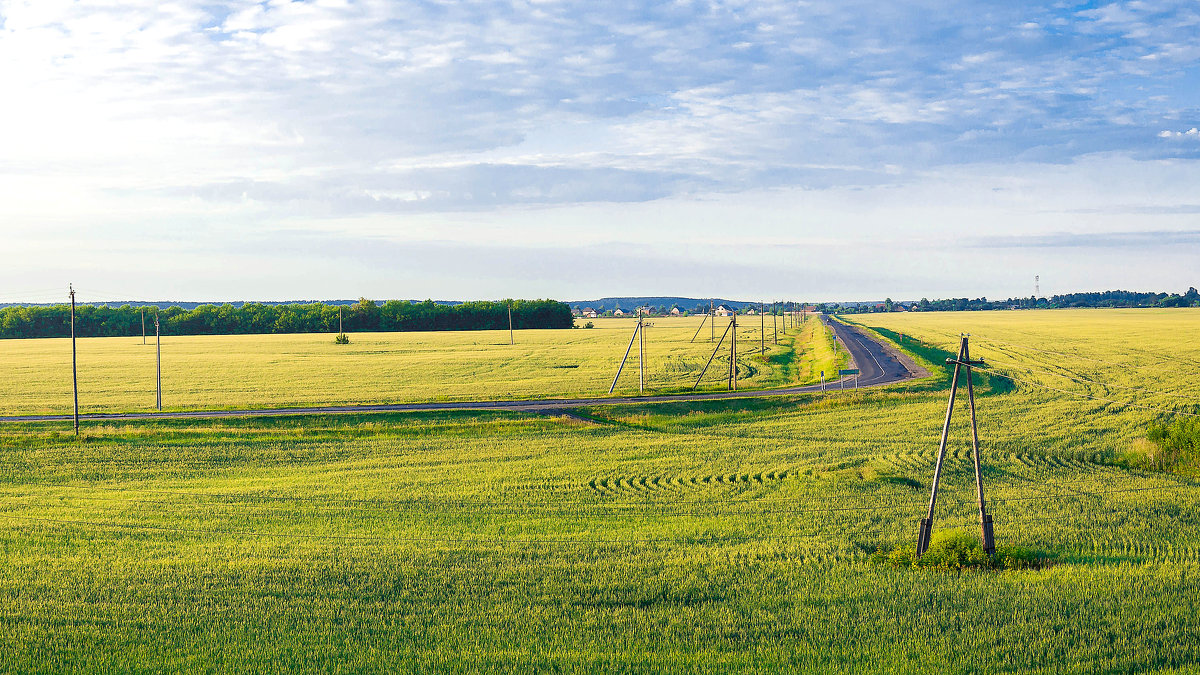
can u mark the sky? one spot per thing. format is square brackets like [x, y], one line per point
[755, 150]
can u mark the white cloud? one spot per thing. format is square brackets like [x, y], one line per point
[228, 117]
[1190, 133]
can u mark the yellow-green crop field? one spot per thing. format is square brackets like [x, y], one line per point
[723, 536]
[251, 371]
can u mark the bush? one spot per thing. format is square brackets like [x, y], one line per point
[589, 325]
[959, 550]
[341, 339]
[1169, 446]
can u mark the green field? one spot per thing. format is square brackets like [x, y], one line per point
[713, 537]
[239, 371]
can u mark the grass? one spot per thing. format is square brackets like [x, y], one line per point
[717, 536]
[226, 372]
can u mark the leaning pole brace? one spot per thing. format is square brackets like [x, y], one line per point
[623, 358]
[710, 358]
[698, 329]
[927, 522]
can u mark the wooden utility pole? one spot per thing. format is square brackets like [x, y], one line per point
[775, 321]
[74, 363]
[340, 331]
[143, 313]
[641, 355]
[157, 364]
[762, 334]
[712, 331]
[985, 521]
[510, 331]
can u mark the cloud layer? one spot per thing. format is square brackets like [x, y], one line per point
[375, 117]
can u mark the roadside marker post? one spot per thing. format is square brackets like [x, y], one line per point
[985, 520]
[849, 371]
[822, 380]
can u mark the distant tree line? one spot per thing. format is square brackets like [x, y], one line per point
[1097, 299]
[365, 315]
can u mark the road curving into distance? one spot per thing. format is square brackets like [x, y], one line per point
[878, 365]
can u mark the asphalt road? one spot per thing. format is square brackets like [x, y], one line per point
[876, 364]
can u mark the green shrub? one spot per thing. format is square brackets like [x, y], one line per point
[959, 550]
[342, 339]
[1172, 445]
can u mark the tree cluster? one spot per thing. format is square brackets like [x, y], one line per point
[1097, 299]
[365, 315]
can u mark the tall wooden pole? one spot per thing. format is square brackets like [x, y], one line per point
[712, 331]
[157, 364]
[641, 355]
[142, 310]
[340, 331]
[775, 321]
[762, 333]
[985, 520]
[74, 363]
[510, 331]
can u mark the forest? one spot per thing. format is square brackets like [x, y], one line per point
[256, 318]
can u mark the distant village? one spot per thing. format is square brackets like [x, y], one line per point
[674, 310]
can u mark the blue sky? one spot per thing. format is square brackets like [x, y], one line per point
[817, 150]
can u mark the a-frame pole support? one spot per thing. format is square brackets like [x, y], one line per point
[926, 528]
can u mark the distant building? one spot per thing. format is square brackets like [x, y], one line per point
[575, 311]
[723, 311]
[618, 312]
[590, 313]
[751, 311]
[675, 311]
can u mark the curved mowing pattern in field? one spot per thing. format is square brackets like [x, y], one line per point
[616, 485]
